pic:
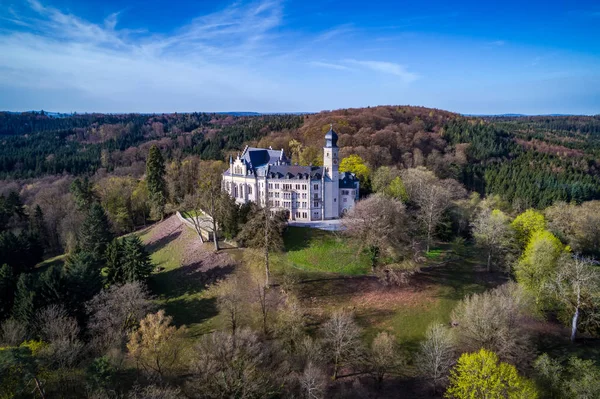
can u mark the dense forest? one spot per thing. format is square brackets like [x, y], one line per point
[530, 161]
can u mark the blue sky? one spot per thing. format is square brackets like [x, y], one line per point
[288, 56]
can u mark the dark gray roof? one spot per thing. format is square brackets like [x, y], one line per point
[295, 172]
[331, 138]
[348, 180]
[257, 157]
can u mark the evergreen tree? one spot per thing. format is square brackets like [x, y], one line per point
[95, 234]
[53, 286]
[114, 262]
[7, 291]
[37, 225]
[155, 176]
[136, 260]
[83, 193]
[83, 280]
[127, 261]
[25, 299]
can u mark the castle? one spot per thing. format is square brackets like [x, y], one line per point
[305, 193]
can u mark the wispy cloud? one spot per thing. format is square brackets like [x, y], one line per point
[328, 65]
[386, 67]
[498, 43]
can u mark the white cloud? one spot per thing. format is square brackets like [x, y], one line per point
[329, 65]
[387, 67]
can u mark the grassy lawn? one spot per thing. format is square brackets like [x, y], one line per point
[323, 251]
[447, 285]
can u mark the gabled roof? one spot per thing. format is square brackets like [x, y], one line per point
[257, 157]
[348, 180]
[295, 172]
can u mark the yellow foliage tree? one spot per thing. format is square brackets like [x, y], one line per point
[526, 224]
[156, 346]
[482, 375]
[356, 165]
[539, 262]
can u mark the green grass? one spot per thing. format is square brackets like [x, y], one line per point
[322, 251]
[188, 303]
[434, 254]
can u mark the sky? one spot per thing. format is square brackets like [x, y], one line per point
[472, 57]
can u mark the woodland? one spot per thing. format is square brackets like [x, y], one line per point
[469, 267]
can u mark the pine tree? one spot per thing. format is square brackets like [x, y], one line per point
[136, 264]
[37, 225]
[155, 176]
[95, 234]
[53, 286]
[7, 291]
[25, 299]
[127, 261]
[114, 262]
[83, 193]
[83, 280]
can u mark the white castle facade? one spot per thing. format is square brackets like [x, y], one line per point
[305, 193]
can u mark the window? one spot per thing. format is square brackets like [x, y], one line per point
[345, 199]
[249, 189]
[316, 196]
[271, 194]
[276, 194]
[316, 204]
[316, 186]
[277, 185]
[303, 195]
[270, 185]
[304, 215]
[304, 187]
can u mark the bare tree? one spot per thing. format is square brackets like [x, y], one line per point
[379, 223]
[264, 230]
[155, 392]
[432, 195]
[492, 232]
[240, 366]
[61, 331]
[577, 288]
[495, 320]
[210, 197]
[341, 336]
[115, 312]
[265, 298]
[230, 300]
[383, 359]
[313, 382]
[436, 356]
[12, 333]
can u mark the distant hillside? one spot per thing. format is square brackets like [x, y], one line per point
[530, 161]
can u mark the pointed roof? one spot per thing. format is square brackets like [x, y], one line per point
[331, 137]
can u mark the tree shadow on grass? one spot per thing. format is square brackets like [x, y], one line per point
[191, 310]
[298, 238]
[458, 279]
[163, 242]
[190, 279]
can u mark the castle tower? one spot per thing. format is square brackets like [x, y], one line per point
[331, 185]
[330, 154]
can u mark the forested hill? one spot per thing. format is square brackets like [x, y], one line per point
[530, 161]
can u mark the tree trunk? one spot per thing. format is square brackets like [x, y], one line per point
[574, 325]
[489, 261]
[39, 388]
[267, 218]
[214, 221]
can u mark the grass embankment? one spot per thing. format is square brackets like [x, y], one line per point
[183, 296]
